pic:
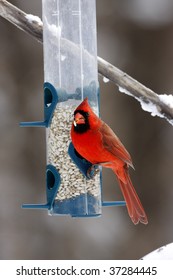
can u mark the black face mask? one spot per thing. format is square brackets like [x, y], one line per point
[83, 127]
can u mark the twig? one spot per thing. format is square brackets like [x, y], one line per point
[125, 83]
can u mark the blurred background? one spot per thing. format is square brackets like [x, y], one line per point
[137, 37]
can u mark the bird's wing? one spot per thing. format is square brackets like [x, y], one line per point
[112, 143]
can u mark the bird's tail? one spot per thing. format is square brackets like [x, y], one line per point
[134, 206]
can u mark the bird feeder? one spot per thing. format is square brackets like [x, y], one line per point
[70, 74]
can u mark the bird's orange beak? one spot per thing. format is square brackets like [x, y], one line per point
[78, 119]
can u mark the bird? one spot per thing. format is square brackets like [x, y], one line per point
[96, 142]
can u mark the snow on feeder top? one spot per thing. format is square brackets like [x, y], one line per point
[70, 74]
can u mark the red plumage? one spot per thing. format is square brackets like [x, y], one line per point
[95, 141]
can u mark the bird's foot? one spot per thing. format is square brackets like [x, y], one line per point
[92, 171]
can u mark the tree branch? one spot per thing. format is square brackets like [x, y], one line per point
[126, 84]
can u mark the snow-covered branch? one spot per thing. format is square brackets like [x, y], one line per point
[19, 19]
[157, 105]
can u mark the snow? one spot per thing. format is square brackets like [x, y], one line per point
[167, 99]
[162, 253]
[150, 107]
[54, 29]
[32, 18]
[125, 91]
[106, 80]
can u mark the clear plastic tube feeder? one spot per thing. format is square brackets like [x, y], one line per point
[71, 74]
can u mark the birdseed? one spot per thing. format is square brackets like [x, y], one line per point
[73, 182]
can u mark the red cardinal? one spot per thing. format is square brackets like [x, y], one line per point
[95, 141]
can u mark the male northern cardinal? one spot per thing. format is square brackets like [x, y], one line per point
[95, 141]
